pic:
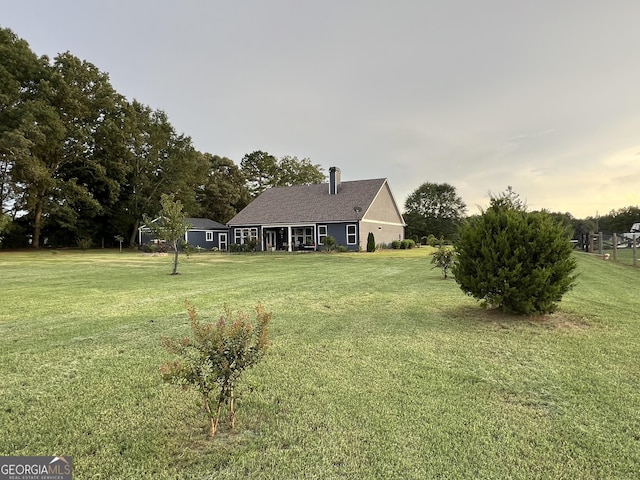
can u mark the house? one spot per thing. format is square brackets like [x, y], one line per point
[300, 217]
[202, 233]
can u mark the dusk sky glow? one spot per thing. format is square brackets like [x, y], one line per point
[541, 96]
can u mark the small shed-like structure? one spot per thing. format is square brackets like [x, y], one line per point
[202, 232]
[300, 217]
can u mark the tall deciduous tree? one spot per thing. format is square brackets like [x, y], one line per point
[224, 192]
[57, 120]
[434, 209]
[292, 171]
[158, 161]
[20, 74]
[76, 156]
[263, 170]
[259, 168]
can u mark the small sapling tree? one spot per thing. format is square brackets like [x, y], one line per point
[371, 243]
[214, 358]
[443, 258]
[171, 226]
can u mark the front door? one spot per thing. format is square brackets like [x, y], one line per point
[222, 241]
[270, 238]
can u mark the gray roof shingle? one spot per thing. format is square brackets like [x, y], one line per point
[310, 203]
[204, 224]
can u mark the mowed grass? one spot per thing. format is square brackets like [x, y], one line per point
[624, 255]
[378, 369]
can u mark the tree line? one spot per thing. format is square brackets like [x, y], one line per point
[437, 209]
[78, 160]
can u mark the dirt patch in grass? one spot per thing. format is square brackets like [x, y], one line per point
[563, 321]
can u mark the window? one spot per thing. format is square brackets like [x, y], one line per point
[209, 236]
[242, 235]
[302, 236]
[351, 235]
[322, 234]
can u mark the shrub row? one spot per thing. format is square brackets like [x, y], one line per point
[403, 244]
[248, 246]
[154, 248]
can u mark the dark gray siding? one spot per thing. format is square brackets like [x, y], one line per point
[198, 238]
[339, 232]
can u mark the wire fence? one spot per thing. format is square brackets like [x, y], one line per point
[617, 247]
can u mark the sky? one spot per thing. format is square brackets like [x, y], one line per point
[541, 96]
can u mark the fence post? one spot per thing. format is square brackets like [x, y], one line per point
[590, 242]
[600, 243]
[635, 250]
[615, 247]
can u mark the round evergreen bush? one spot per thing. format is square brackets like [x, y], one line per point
[518, 261]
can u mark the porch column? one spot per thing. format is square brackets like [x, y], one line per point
[288, 238]
[262, 239]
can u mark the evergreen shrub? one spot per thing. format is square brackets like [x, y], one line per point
[407, 244]
[517, 261]
[371, 243]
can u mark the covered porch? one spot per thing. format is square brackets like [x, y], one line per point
[288, 238]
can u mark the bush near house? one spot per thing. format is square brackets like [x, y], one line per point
[406, 244]
[250, 245]
[328, 243]
[371, 243]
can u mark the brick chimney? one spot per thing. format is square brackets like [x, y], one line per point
[334, 180]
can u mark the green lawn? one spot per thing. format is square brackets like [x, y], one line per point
[378, 369]
[625, 255]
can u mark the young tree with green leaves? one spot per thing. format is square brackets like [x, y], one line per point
[443, 258]
[171, 226]
[517, 261]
